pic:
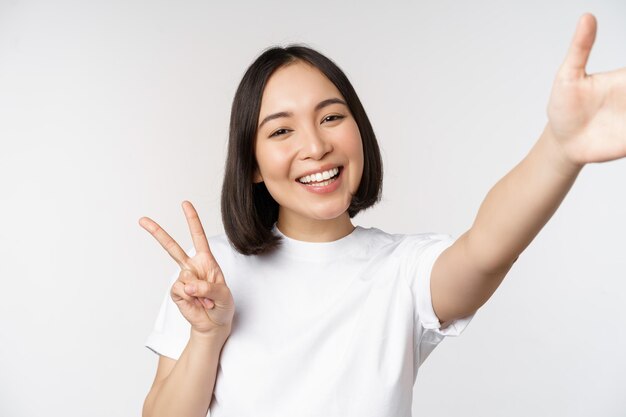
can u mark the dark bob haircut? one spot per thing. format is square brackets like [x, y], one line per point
[248, 210]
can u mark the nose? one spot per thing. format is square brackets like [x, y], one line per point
[314, 145]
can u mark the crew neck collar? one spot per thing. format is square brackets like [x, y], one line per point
[318, 251]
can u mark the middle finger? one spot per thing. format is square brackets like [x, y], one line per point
[198, 236]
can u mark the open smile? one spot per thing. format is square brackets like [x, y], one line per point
[322, 182]
[319, 177]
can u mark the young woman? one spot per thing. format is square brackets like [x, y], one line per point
[333, 319]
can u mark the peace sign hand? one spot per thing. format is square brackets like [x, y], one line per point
[200, 292]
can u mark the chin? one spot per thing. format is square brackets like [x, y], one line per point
[329, 213]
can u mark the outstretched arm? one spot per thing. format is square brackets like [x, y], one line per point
[587, 123]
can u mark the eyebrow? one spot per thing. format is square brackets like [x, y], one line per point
[319, 106]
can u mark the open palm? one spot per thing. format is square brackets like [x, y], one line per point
[587, 112]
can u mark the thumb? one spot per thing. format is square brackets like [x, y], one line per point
[576, 60]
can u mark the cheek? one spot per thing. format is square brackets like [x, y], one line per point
[273, 162]
[354, 149]
[354, 144]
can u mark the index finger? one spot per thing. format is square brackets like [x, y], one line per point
[169, 244]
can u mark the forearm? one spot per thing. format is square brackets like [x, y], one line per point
[188, 389]
[520, 204]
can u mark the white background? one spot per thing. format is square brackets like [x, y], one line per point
[114, 110]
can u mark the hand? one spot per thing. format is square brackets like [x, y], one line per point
[200, 291]
[587, 112]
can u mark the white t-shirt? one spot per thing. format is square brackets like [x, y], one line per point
[331, 329]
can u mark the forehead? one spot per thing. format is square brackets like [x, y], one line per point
[294, 85]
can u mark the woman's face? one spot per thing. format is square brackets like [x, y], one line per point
[307, 134]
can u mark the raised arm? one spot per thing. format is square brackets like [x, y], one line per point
[586, 123]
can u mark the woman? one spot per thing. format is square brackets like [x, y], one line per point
[334, 319]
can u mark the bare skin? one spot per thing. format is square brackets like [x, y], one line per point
[200, 292]
[184, 387]
[586, 124]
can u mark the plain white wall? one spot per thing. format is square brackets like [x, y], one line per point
[110, 111]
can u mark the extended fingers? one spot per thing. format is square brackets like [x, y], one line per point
[578, 54]
[166, 241]
[195, 227]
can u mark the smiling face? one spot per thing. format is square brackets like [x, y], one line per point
[305, 129]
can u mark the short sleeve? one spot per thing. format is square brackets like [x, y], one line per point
[428, 331]
[170, 333]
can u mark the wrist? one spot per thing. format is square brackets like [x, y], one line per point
[557, 155]
[214, 336]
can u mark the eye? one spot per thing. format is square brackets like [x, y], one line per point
[279, 132]
[333, 117]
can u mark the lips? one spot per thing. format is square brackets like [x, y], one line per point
[325, 186]
[319, 175]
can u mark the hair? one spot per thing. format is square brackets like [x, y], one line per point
[248, 210]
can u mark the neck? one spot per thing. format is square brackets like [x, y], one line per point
[314, 230]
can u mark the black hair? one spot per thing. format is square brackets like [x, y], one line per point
[248, 210]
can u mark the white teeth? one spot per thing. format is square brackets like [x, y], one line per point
[319, 176]
[324, 184]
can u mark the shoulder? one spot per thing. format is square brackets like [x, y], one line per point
[377, 238]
